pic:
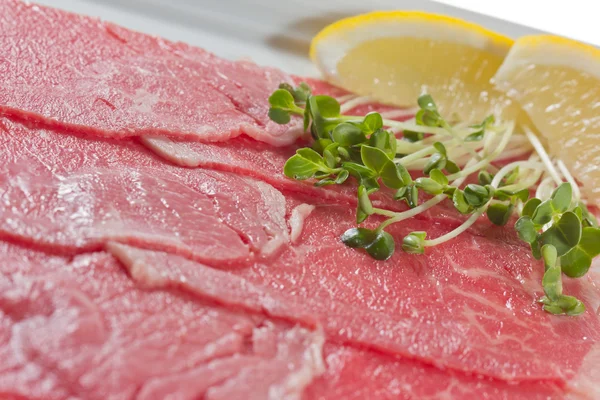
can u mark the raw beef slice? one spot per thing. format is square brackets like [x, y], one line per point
[136, 265]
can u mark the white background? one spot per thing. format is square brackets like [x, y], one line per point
[278, 32]
[577, 19]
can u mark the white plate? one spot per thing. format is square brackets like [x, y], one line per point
[270, 32]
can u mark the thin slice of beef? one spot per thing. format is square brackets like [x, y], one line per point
[72, 194]
[392, 379]
[459, 321]
[477, 318]
[80, 329]
[474, 314]
[62, 69]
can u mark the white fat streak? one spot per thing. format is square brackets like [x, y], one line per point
[134, 261]
[177, 152]
[586, 384]
[312, 366]
[296, 221]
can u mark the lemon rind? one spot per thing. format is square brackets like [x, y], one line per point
[549, 50]
[331, 44]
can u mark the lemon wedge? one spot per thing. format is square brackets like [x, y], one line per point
[557, 83]
[396, 56]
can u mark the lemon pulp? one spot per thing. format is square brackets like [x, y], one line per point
[398, 70]
[564, 104]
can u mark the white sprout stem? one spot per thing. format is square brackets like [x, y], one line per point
[513, 153]
[565, 172]
[475, 216]
[427, 151]
[408, 126]
[456, 153]
[452, 234]
[398, 217]
[539, 148]
[531, 179]
[488, 159]
[545, 188]
[347, 97]
[399, 113]
[461, 141]
[355, 102]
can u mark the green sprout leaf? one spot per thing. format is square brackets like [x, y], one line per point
[479, 134]
[385, 141]
[430, 186]
[460, 203]
[321, 108]
[364, 203]
[511, 178]
[426, 102]
[561, 197]
[358, 171]
[476, 195]
[436, 161]
[578, 260]
[342, 177]
[320, 145]
[521, 195]
[372, 122]
[374, 158]
[551, 281]
[484, 178]
[300, 93]
[526, 229]
[543, 213]
[328, 106]
[568, 305]
[330, 155]
[348, 134]
[304, 164]
[279, 116]
[499, 213]
[475, 136]
[325, 182]
[282, 99]
[530, 207]
[382, 247]
[413, 136]
[391, 176]
[428, 118]
[414, 242]
[587, 218]
[439, 146]
[536, 249]
[404, 174]
[451, 167]
[378, 244]
[439, 177]
[358, 237]
[564, 234]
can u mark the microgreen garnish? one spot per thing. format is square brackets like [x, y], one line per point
[558, 228]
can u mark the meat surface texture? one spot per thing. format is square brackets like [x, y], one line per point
[151, 248]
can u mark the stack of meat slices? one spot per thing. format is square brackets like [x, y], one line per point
[151, 248]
